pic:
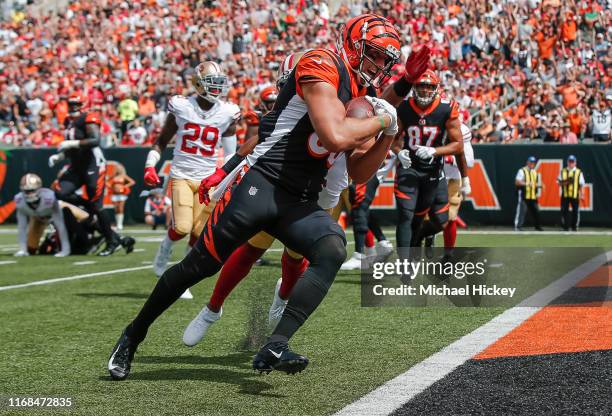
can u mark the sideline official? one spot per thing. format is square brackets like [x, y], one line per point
[528, 183]
[571, 181]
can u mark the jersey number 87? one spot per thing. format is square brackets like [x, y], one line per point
[417, 133]
[209, 136]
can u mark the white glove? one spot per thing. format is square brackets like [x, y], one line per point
[62, 254]
[55, 159]
[466, 188]
[425, 152]
[381, 108]
[21, 253]
[404, 158]
[68, 144]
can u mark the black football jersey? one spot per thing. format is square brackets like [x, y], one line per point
[75, 130]
[289, 153]
[426, 127]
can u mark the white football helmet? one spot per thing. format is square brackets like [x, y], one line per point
[209, 81]
[287, 66]
[30, 185]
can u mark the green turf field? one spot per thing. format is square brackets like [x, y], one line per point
[56, 338]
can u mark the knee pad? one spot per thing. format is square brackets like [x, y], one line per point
[329, 251]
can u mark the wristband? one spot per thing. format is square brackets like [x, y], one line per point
[232, 163]
[152, 158]
[382, 122]
[402, 87]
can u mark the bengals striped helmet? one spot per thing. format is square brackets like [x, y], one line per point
[267, 98]
[209, 81]
[287, 66]
[364, 39]
[426, 88]
[76, 102]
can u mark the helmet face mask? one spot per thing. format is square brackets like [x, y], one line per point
[210, 82]
[426, 88]
[424, 94]
[75, 105]
[370, 54]
[30, 185]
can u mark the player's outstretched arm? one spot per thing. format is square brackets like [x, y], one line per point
[415, 66]
[337, 132]
[169, 129]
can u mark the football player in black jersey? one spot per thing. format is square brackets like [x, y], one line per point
[81, 147]
[279, 193]
[429, 130]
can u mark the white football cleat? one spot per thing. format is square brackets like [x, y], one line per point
[370, 251]
[162, 257]
[187, 295]
[277, 308]
[197, 328]
[384, 249]
[354, 262]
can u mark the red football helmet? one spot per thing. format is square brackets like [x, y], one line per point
[267, 98]
[426, 88]
[362, 39]
[76, 102]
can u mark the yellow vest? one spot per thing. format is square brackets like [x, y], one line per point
[570, 183]
[531, 183]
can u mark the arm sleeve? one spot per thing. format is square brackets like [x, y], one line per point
[468, 152]
[22, 230]
[229, 146]
[58, 220]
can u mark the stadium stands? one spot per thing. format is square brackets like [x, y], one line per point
[528, 70]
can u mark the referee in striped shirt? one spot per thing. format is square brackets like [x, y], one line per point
[571, 181]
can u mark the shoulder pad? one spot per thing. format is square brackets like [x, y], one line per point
[177, 103]
[93, 118]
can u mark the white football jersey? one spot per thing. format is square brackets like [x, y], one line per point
[198, 136]
[44, 209]
[451, 171]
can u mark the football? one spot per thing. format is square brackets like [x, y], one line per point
[359, 108]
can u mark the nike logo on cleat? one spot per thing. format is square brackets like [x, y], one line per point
[276, 354]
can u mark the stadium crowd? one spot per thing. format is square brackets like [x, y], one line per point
[521, 70]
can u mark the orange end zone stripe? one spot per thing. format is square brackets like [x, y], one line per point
[601, 277]
[561, 329]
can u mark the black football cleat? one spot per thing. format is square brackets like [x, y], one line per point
[120, 361]
[110, 249]
[278, 356]
[128, 244]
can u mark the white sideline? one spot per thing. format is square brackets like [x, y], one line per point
[77, 277]
[394, 393]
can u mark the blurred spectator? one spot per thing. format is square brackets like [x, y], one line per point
[568, 136]
[600, 121]
[548, 53]
[157, 209]
[136, 135]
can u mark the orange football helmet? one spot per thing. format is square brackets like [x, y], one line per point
[76, 102]
[267, 98]
[426, 88]
[361, 39]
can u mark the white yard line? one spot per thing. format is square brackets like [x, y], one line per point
[8, 262]
[406, 386]
[76, 277]
[84, 263]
